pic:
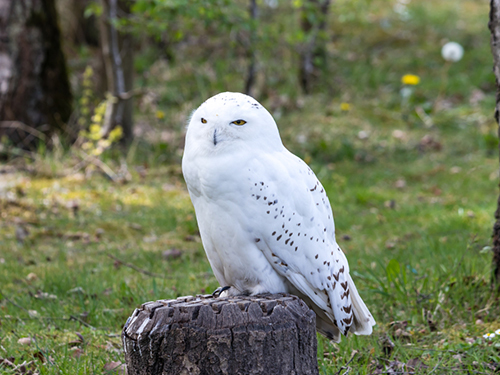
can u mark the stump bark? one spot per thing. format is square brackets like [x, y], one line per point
[264, 334]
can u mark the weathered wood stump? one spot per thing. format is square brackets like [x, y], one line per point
[264, 334]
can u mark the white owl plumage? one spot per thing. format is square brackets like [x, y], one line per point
[265, 220]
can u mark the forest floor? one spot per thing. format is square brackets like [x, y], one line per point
[413, 184]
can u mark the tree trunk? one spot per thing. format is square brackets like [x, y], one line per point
[118, 60]
[313, 23]
[35, 96]
[494, 26]
[266, 334]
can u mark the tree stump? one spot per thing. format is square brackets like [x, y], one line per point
[264, 334]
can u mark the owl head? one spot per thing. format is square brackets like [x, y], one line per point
[232, 120]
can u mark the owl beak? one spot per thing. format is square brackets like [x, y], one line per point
[215, 137]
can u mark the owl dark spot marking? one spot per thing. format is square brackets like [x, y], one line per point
[337, 260]
[318, 270]
[316, 256]
[281, 212]
[257, 197]
[312, 218]
[291, 243]
[347, 309]
[270, 203]
[317, 204]
[323, 241]
[317, 239]
[296, 248]
[329, 277]
[257, 240]
[324, 229]
[298, 234]
[293, 213]
[311, 238]
[332, 253]
[265, 198]
[298, 224]
[286, 231]
[336, 277]
[334, 285]
[275, 201]
[262, 183]
[278, 238]
[283, 215]
[273, 254]
[327, 285]
[314, 291]
[283, 226]
[284, 264]
[273, 233]
[255, 184]
[275, 210]
[347, 320]
[324, 262]
[286, 242]
[276, 217]
[345, 295]
[269, 212]
[290, 233]
[305, 234]
[322, 190]
[328, 264]
[341, 270]
[290, 219]
[344, 285]
[253, 195]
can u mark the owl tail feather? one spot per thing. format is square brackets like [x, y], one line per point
[363, 320]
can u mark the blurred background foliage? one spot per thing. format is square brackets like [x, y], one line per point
[403, 141]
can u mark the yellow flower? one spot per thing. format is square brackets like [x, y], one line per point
[160, 115]
[410, 79]
[345, 107]
[115, 134]
[95, 128]
[104, 143]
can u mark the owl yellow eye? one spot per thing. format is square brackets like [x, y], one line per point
[203, 121]
[239, 122]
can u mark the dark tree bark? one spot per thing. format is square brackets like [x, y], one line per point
[35, 96]
[313, 23]
[118, 60]
[266, 334]
[494, 26]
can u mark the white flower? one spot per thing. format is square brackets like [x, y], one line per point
[489, 336]
[452, 51]
[497, 332]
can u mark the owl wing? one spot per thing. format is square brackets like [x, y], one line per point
[298, 239]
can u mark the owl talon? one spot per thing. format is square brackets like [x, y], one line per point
[217, 292]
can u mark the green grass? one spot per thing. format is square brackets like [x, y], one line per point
[413, 202]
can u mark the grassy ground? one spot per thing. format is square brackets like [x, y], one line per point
[413, 185]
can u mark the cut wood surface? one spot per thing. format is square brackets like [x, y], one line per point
[264, 334]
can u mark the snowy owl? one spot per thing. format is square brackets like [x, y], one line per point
[265, 220]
